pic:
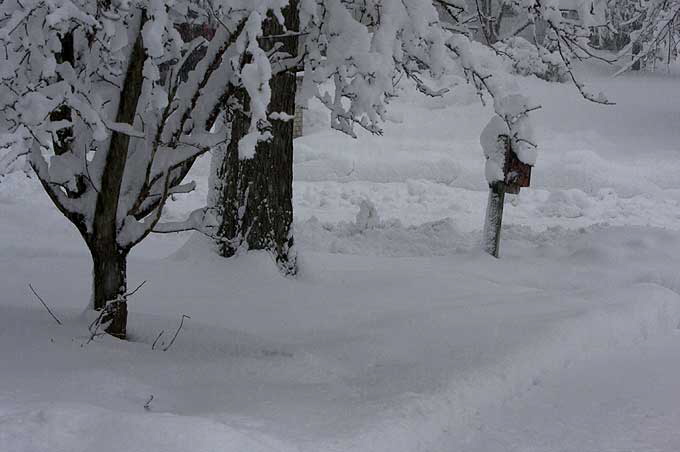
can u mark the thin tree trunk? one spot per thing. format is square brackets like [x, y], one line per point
[637, 48]
[255, 195]
[109, 282]
[109, 259]
[488, 22]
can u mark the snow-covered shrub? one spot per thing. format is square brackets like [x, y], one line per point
[367, 217]
[527, 59]
[13, 151]
[553, 36]
[657, 37]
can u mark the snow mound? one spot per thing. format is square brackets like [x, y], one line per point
[385, 238]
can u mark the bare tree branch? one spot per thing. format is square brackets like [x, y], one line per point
[181, 323]
[44, 304]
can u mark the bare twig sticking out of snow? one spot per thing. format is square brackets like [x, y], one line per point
[153, 346]
[44, 304]
[354, 167]
[96, 325]
[179, 328]
[98, 322]
[129, 294]
[147, 405]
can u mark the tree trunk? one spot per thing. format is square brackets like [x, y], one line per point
[637, 48]
[109, 259]
[488, 24]
[109, 286]
[254, 196]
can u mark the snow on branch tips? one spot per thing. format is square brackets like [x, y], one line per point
[542, 38]
[657, 36]
[362, 47]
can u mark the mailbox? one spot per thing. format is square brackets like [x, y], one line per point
[517, 173]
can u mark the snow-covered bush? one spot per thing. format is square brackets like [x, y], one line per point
[363, 47]
[367, 217]
[644, 33]
[527, 59]
[622, 17]
[13, 151]
[656, 38]
[543, 25]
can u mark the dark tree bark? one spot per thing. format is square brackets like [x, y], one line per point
[108, 257]
[110, 287]
[255, 197]
[63, 137]
[637, 48]
[490, 27]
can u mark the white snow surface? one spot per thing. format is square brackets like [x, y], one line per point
[399, 334]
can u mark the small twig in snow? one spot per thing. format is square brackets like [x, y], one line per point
[147, 405]
[97, 323]
[172, 341]
[129, 294]
[153, 346]
[44, 304]
[94, 327]
[354, 167]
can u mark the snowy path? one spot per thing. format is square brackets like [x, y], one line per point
[360, 354]
[626, 402]
[401, 337]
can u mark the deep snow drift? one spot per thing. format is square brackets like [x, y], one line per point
[399, 335]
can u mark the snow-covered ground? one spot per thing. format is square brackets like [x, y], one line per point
[399, 335]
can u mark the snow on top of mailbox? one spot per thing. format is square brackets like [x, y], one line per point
[512, 120]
